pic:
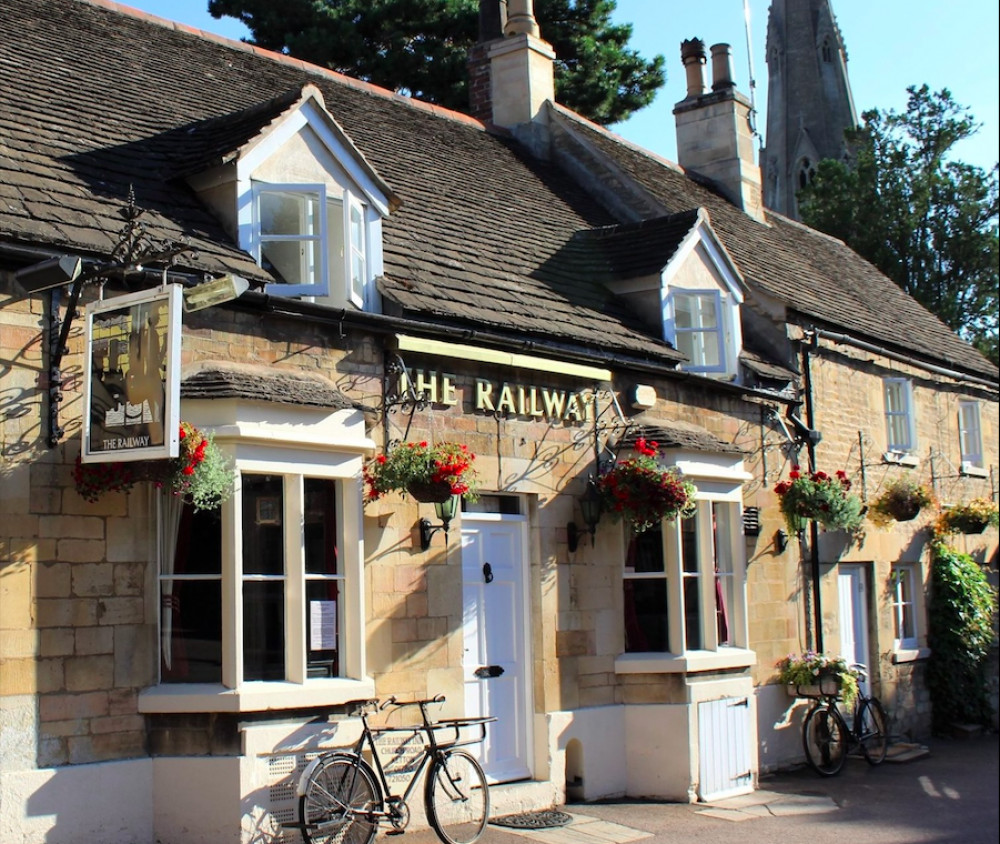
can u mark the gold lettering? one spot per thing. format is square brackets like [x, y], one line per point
[573, 407]
[506, 399]
[448, 390]
[535, 410]
[484, 391]
[555, 403]
[427, 384]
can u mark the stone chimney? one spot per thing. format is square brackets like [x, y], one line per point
[714, 136]
[511, 72]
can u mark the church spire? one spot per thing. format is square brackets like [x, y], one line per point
[809, 103]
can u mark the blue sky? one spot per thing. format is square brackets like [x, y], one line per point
[891, 44]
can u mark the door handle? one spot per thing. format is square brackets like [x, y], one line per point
[487, 572]
[486, 671]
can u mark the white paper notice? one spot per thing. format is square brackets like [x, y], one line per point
[323, 625]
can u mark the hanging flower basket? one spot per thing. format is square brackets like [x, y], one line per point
[816, 496]
[643, 493]
[900, 501]
[201, 473]
[429, 473]
[971, 518]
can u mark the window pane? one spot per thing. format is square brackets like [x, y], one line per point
[293, 262]
[320, 526]
[191, 637]
[692, 614]
[690, 553]
[725, 581]
[288, 213]
[970, 438]
[263, 541]
[336, 260]
[199, 542]
[322, 628]
[645, 616]
[645, 551]
[264, 630]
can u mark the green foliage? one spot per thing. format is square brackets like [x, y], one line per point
[927, 222]
[972, 517]
[961, 614]
[422, 463]
[420, 47]
[901, 499]
[806, 670]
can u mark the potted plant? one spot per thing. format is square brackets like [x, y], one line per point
[973, 517]
[818, 496]
[901, 500]
[431, 473]
[642, 492]
[813, 674]
[201, 473]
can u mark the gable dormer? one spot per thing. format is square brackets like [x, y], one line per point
[677, 275]
[298, 195]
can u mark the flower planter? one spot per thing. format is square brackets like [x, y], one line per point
[904, 511]
[828, 686]
[429, 492]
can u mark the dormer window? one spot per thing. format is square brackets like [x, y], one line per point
[300, 233]
[704, 326]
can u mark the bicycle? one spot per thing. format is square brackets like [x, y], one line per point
[343, 797]
[827, 738]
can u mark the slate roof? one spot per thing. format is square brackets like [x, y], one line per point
[226, 380]
[93, 100]
[817, 276]
[677, 434]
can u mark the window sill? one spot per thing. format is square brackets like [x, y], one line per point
[900, 458]
[252, 697]
[689, 663]
[969, 471]
[909, 655]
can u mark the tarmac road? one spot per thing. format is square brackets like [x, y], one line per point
[948, 795]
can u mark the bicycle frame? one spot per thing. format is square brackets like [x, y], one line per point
[432, 750]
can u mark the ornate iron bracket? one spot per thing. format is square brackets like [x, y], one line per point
[398, 395]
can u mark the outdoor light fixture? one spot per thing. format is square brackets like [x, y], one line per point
[780, 540]
[215, 292]
[590, 509]
[445, 511]
[45, 275]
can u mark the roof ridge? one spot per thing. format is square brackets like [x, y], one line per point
[341, 78]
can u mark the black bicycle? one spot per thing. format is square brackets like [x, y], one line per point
[827, 738]
[343, 797]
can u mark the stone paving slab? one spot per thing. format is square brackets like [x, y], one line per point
[583, 830]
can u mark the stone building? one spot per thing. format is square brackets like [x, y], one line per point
[529, 285]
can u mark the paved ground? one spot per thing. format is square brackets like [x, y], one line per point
[946, 792]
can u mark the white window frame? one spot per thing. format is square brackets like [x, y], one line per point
[321, 285]
[904, 415]
[970, 435]
[724, 333]
[286, 444]
[726, 491]
[903, 598]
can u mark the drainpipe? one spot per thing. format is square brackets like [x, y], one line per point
[812, 342]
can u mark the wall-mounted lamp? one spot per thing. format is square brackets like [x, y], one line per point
[45, 275]
[780, 540]
[590, 509]
[215, 292]
[445, 511]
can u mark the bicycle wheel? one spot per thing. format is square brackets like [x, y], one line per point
[332, 810]
[457, 798]
[872, 732]
[824, 738]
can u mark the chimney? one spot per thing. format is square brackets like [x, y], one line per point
[714, 136]
[512, 72]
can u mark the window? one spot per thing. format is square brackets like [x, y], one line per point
[900, 429]
[703, 326]
[279, 591]
[807, 172]
[680, 584]
[970, 435]
[300, 235]
[903, 608]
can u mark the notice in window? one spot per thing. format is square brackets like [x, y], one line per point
[322, 625]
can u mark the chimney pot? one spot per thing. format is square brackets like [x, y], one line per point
[722, 67]
[521, 18]
[693, 56]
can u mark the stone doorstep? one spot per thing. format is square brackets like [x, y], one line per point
[902, 751]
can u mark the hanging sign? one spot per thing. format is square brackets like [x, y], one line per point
[132, 377]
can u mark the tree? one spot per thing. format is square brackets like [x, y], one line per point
[420, 47]
[927, 222]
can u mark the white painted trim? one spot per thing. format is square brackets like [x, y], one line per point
[253, 696]
[483, 355]
[689, 663]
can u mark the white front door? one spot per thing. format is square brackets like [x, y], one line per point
[496, 661]
[852, 588]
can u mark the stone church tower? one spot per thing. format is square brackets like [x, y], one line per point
[809, 103]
